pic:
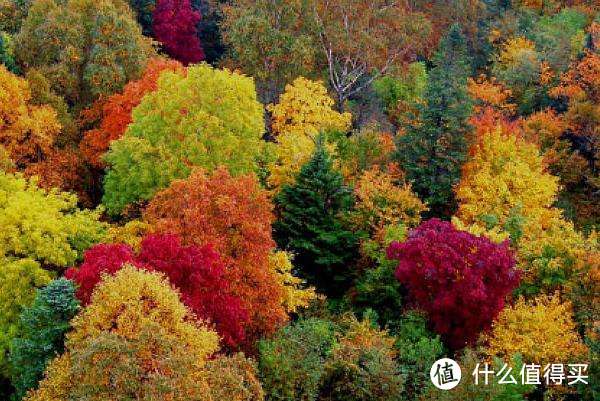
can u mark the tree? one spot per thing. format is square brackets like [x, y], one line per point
[362, 367]
[206, 118]
[382, 200]
[303, 112]
[43, 328]
[44, 225]
[284, 49]
[234, 215]
[135, 339]
[196, 272]
[292, 362]
[28, 132]
[116, 111]
[7, 56]
[174, 23]
[310, 225]
[19, 280]
[234, 378]
[520, 67]
[361, 40]
[541, 330]
[433, 150]
[97, 47]
[506, 191]
[460, 280]
[580, 85]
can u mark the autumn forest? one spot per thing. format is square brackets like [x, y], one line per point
[299, 200]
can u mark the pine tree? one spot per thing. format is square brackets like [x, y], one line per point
[434, 148]
[310, 225]
[44, 326]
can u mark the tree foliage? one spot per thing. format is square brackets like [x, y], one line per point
[292, 362]
[541, 330]
[234, 215]
[460, 280]
[206, 118]
[284, 49]
[96, 47]
[433, 150]
[116, 111]
[44, 225]
[361, 40]
[134, 339]
[175, 25]
[196, 272]
[362, 367]
[19, 280]
[43, 328]
[310, 226]
[303, 112]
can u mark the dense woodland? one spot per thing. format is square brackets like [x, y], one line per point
[297, 200]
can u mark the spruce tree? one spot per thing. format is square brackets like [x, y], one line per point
[435, 146]
[310, 224]
[44, 325]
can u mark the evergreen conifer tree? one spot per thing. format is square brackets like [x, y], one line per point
[310, 224]
[44, 325]
[435, 146]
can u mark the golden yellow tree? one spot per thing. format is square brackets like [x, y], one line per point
[135, 339]
[304, 110]
[383, 199]
[542, 331]
[505, 191]
[296, 294]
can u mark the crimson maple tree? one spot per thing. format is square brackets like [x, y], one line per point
[175, 26]
[460, 280]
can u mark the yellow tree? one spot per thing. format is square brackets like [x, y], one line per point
[134, 340]
[304, 110]
[505, 191]
[542, 331]
[383, 199]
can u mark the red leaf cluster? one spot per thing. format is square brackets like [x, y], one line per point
[175, 25]
[196, 271]
[460, 280]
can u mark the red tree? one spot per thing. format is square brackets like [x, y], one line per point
[175, 25]
[460, 280]
[197, 272]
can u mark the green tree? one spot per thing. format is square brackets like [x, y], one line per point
[18, 282]
[310, 224]
[7, 56]
[207, 118]
[292, 362]
[435, 146]
[362, 366]
[96, 47]
[269, 40]
[43, 328]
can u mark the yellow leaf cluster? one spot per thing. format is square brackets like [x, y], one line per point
[295, 296]
[542, 331]
[382, 201]
[505, 179]
[304, 110]
[26, 131]
[131, 233]
[44, 225]
[514, 49]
